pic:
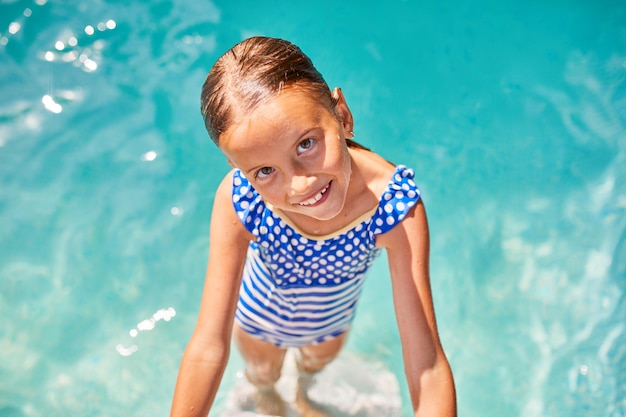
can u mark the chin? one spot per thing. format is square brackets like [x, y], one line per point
[323, 215]
[322, 218]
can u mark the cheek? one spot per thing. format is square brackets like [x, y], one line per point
[345, 158]
[267, 193]
[347, 167]
[339, 162]
[337, 150]
[274, 193]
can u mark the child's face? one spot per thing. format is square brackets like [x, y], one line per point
[293, 151]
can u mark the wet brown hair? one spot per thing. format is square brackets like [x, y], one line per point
[253, 71]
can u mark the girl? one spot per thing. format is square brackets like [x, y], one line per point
[295, 227]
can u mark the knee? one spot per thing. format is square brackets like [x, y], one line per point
[314, 358]
[310, 363]
[262, 373]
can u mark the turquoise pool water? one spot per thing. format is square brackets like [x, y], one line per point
[512, 113]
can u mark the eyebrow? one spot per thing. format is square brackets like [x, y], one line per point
[317, 119]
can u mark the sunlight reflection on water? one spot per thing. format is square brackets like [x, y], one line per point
[107, 178]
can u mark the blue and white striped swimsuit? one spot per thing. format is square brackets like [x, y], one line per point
[297, 289]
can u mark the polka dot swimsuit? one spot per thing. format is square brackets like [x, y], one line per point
[299, 289]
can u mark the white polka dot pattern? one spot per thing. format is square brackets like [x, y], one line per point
[297, 291]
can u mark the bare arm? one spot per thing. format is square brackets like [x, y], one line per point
[428, 373]
[206, 356]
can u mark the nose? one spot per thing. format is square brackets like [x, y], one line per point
[301, 183]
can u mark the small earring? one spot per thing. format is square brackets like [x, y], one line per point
[351, 133]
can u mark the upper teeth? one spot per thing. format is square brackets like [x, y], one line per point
[315, 199]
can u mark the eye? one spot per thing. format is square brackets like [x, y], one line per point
[305, 145]
[264, 172]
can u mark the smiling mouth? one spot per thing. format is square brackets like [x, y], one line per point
[316, 198]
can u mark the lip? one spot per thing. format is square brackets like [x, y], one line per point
[318, 198]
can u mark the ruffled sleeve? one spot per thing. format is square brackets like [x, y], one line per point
[248, 203]
[397, 200]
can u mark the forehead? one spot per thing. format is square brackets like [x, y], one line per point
[290, 113]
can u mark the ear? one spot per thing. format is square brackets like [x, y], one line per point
[343, 113]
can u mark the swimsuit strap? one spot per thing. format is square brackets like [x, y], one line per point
[397, 200]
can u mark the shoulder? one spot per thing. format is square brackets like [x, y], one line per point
[226, 185]
[396, 200]
[226, 189]
[237, 189]
[248, 205]
[372, 169]
[410, 232]
[391, 187]
[224, 211]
